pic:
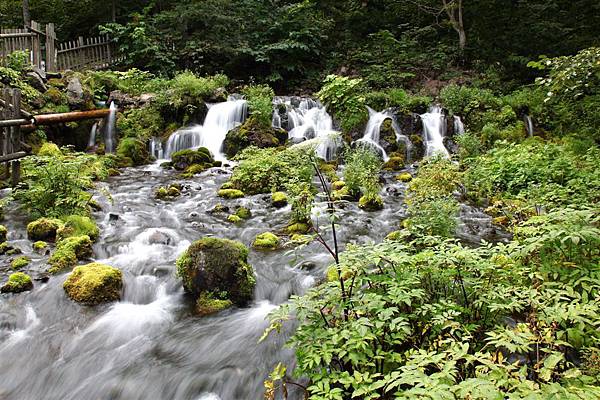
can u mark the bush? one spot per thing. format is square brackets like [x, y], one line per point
[343, 98]
[133, 149]
[141, 123]
[361, 172]
[260, 102]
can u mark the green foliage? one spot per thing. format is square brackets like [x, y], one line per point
[301, 198]
[133, 150]
[17, 61]
[12, 78]
[78, 225]
[260, 102]
[361, 172]
[397, 98]
[343, 98]
[430, 318]
[269, 170]
[142, 123]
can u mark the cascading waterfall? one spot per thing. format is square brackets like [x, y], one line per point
[221, 118]
[528, 125]
[434, 128]
[372, 132]
[109, 133]
[156, 148]
[92, 140]
[459, 126]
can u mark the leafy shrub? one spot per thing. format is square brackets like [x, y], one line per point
[260, 102]
[142, 123]
[133, 149]
[12, 78]
[343, 98]
[17, 60]
[269, 170]
[399, 99]
[361, 172]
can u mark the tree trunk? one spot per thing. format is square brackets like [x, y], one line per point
[26, 14]
[454, 10]
[114, 10]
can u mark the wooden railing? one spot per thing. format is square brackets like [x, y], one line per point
[11, 146]
[46, 53]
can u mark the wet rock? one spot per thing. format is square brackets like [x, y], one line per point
[75, 94]
[35, 80]
[213, 266]
[279, 199]
[219, 208]
[44, 229]
[17, 282]
[266, 241]
[307, 265]
[43, 277]
[251, 133]
[113, 217]
[3, 233]
[94, 283]
[160, 237]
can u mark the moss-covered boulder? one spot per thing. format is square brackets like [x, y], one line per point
[387, 136]
[168, 192]
[3, 233]
[207, 304]
[68, 252]
[395, 163]
[298, 228]
[215, 266]
[230, 193]
[134, 151]
[20, 262]
[17, 282]
[49, 149]
[252, 133]
[234, 219]
[371, 203]
[337, 185]
[40, 246]
[404, 177]
[94, 283]
[266, 241]
[243, 212]
[78, 225]
[279, 199]
[44, 229]
[184, 159]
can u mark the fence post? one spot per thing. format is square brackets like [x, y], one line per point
[16, 137]
[50, 48]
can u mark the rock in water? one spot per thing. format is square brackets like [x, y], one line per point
[94, 283]
[213, 266]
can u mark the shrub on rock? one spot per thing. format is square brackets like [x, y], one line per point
[94, 283]
[17, 282]
[214, 266]
[371, 203]
[78, 225]
[44, 229]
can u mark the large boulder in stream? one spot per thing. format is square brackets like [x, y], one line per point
[251, 133]
[44, 229]
[94, 283]
[216, 271]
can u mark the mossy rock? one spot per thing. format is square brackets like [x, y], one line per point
[234, 219]
[7, 249]
[168, 193]
[266, 241]
[44, 229]
[3, 233]
[207, 304]
[387, 136]
[182, 160]
[213, 265]
[298, 227]
[17, 282]
[133, 151]
[227, 185]
[40, 246]
[370, 203]
[219, 208]
[243, 212]
[20, 262]
[404, 177]
[301, 239]
[279, 199]
[68, 252]
[94, 283]
[194, 169]
[49, 149]
[230, 193]
[252, 133]
[78, 225]
[55, 96]
[338, 185]
[394, 164]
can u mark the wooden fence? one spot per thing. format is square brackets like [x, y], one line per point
[11, 140]
[46, 53]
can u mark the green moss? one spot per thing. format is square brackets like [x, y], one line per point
[394, 164]
[230, 193]
[3, 233]
[217, 265]
[243, 213]
[279, 199]
[169, 192]
[207, 304]
[404, 177]
[194, 170]
[57, 83]
[77, 225]
[298, 227]
[234, 219]
[94, 283]
[39, 246]
[17, 282]
[371, 203]
[301, 239]
[337, 185]
[55, 96]
[20, 262]
[43, 229]
[183, 159]
[49, 149]
[133, 149]
[219, 208]
[4, 247]
[227, 185]
[266, 241]
[252, 133]
[68, 252]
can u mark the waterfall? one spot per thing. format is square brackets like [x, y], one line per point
[459, 127]
[434, 128]
[92, 140]
[372, 132]
[327, 145]
[156, 148]
[276, 122]
[109, 133]
[221, 118]
[528, 125]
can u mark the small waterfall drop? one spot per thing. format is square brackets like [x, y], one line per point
[109, 133]
[156, 148]
[371, 135]
[434, 128]
[93, 131]
[459, 126]
[528, 125]
[220, 119]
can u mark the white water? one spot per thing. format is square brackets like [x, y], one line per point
[528, 125]
[459, 126]
[371, 135]
[109, 133]
[327, 145]
[221, 118]
[156, 148]
[434, 129]
[92, 140]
